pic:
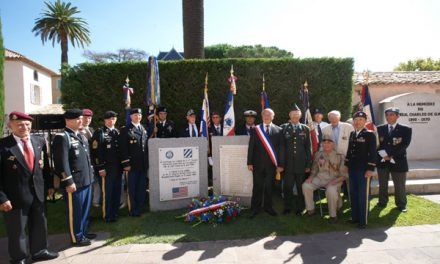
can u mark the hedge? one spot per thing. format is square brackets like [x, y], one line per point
[99, 86]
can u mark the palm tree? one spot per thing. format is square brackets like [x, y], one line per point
[193, 29]
[59, 24]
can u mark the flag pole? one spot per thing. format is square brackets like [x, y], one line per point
[207, 132]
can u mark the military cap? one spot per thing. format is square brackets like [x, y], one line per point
[19, 116]
[317, 111]
[250, 113]
[135, 111]
[327, 138]
[110, 114]
[73, 113]
[190, 112]
[392, 110]
[87, 112]
[295, 108]
[360, 114]
[162, 109]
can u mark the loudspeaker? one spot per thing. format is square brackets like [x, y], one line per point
[43, 122]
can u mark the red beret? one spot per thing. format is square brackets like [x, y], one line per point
[19, 116]
[87, 112]
[360, 114]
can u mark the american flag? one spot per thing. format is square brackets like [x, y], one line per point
[180, 192]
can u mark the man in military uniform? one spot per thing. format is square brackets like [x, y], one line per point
[263, 160]
[328, 171]
[216, 127]
[394, 139]
[107, 163]
[134, 155]
[249, 124]
[24, 171]
[190, 129]
[297, 160]
[73, 166]
[164, 128]
[361, 162]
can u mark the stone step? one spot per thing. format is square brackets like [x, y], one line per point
[419, 186]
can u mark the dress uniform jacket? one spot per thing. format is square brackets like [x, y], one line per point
[184, 132]
[213, 131]
[25, 190]
[395, 144]
[361, 153]
[242, 130]
[134, 147]
[166, 130]
[72, 159]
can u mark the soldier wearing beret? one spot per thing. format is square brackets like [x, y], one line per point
[297, 160]
[394, 139]
[134, 155]
[190, 130]
[249, 124]
[73, 166]
[216, 126]
[24, 172]
[361, 162]
[107, 163]
[164, 128]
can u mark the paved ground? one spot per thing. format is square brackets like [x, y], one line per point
[413, 244]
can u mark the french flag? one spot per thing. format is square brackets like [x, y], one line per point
[229, 118]
[367, 107]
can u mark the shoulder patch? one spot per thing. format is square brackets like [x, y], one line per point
[95, 144]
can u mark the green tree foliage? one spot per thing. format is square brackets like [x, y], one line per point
[59, 24]
[99, 86]
[222, 51]
[2, 86]
[427, 64]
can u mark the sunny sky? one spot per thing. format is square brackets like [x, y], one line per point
[378, 34]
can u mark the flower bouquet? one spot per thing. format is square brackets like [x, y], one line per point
[213, 209]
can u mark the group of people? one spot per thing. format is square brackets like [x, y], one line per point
[93, 164]
[348, 154]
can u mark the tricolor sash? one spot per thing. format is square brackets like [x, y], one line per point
[264, 137]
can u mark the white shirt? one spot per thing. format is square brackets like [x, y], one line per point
[136, 125]
[21, 144]
[190, 126]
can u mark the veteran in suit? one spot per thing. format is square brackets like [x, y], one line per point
[394, 139]
[73, 166]
[216, 126]
[190, 129]
[263, 160]
[297, 160]
[134, 160]
[106, 161]
[249, 124]
[361, 162]
[24, 171]
[164, 128]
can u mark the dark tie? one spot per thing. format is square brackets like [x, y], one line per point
[319, 133]
[218, 130]
[267, 130]
[28, 155]
[193, 131]
[390, 130]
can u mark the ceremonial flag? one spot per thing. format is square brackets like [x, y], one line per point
[204, 123]
[128, 91]
[153, 92]
[367, 107]
[308, 120]
[264, 100]
[229, 118]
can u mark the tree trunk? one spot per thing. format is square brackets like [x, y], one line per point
[193, 29]
[64, 49]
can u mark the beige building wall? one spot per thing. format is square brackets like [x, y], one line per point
[56, 89]
[14, 83]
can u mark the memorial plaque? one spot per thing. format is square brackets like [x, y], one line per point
[421, 111]
[178, 172]
[231, 177]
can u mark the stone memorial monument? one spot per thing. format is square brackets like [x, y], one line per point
[231, 178]
[177, 172]
[421, 111]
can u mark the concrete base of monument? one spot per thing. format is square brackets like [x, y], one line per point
[423, 178]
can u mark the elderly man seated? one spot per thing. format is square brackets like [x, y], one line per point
[328, 171]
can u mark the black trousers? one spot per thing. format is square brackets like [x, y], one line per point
[34, 217]
[263, 180]
[399, 180]
[289, 180]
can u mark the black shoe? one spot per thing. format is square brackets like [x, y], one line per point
[91, 236]
[350, 221]
[271, 212]
[361, 226]
[45, 255]
[83, 243]
[381, 205]
[403, 209]
[23, 261]
[286, 211]
[299, 212]
[252, 215]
